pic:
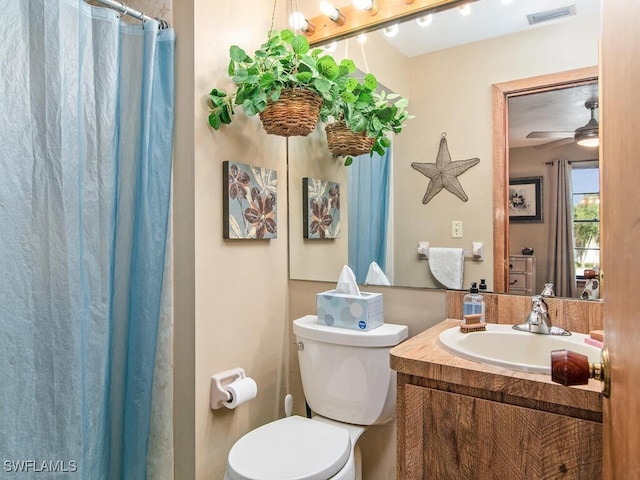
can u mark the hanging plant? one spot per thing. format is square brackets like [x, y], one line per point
[367, 113]
[282, 70]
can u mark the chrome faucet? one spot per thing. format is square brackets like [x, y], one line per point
[538, 318]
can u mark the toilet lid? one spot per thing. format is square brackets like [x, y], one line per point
[293, 448]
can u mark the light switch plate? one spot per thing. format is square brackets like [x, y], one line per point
[456, 229]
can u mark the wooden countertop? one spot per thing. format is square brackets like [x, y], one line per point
[420, 360]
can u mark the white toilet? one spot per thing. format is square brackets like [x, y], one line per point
[348, 384]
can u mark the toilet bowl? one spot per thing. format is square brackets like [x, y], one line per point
[348, 384]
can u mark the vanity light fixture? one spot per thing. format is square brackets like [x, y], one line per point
[297, 21]
[391, 30]
[465, 9]
[589, 134]
[332, 12]
[367, 5]
[424, 21]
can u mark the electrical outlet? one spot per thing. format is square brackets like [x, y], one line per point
[456, 229]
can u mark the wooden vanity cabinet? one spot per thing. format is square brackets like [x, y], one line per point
[451, 436]
[458, 419]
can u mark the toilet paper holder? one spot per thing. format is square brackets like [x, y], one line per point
[219, 381]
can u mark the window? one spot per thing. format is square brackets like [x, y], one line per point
[585, 179]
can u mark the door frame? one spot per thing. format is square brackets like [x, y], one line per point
[501, 92]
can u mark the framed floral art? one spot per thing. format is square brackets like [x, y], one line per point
[525, 199]
[249, 202]
[320, 209]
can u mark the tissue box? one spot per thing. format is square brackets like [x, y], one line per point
[357, 312]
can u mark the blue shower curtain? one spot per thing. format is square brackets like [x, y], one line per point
[369, 178]
[86, 127]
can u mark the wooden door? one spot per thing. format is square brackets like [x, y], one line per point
[620, 154]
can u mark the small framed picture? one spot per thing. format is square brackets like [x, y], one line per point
[249, 201]
[525, 199]
[320, 209]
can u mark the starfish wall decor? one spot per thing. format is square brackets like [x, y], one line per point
[444, 173]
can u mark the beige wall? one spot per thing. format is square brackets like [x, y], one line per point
[231, 296]
[530, 162]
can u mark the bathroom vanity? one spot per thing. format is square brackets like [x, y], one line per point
[459, 419]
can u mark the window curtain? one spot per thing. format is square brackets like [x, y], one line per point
[561, 270]
[369, 183]
[86, 117]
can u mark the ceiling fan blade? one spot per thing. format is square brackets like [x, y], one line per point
[550, 134]
[556, 143]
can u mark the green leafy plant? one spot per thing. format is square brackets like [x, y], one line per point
[283, 61]
[364, 109]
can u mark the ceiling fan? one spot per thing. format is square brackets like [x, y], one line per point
[586, 136]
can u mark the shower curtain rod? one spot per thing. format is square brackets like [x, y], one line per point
[124, 9]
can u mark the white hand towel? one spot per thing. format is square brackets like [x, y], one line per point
[375, 276]
[447, 266]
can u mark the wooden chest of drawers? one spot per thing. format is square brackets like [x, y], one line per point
[522, 274]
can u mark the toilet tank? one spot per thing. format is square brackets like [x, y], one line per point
[345, 373]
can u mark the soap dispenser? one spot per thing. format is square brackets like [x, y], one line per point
[473, 306]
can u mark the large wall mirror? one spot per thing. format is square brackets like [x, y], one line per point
[448, 70]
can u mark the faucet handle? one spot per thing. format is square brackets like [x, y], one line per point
[538, 304]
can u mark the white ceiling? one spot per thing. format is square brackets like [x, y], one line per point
[557, 110]
[487, 19]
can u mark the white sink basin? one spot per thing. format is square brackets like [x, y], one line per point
[502, 346]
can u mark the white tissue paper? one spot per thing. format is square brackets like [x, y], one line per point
[347, 282]
[375, 276]
[347, 307]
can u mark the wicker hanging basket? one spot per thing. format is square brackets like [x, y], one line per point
[343, 141]
[295, 113]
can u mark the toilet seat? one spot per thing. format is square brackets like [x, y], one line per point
[293, 448]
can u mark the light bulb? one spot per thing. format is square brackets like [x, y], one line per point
[589, 142]
[424, 21]
[329, 10]
[332, 12]
[297, 21]
[391, 31]
[465, 9]
[364, 4]
[362, 38]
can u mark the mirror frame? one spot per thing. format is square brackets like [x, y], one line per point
[501, 92]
